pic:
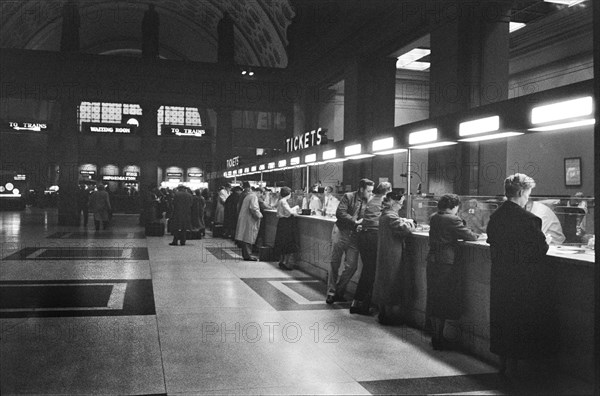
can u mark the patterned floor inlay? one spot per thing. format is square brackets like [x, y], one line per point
[225, 253]
[97, 235]
[80, 253]
[292, 294]
[62, 298]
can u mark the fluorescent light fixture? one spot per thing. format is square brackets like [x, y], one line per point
[360, 156]
[424, 136]
[409, 59]
[490, 137]
[253, 168]
[420, 66]
[282, 163]
[565, 125]
[261, 167]
[393, 151]
[310, 158]
[295, 161]
[560, 111]
[271, 165]
[569, 3]
[13, 195]
[482, 125]
[353, 149]
[329, 154]
[433, 145]
[514, 26]
[383, 144]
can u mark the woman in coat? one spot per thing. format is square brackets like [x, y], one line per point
[248, 225]
[100, 206]
[522, 317]
[443, 269]
[390, 274]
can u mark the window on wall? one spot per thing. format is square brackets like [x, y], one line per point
[111, 113]
[258, 120]
[175, 115]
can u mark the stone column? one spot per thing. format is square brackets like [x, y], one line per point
[223, 138]
[150, 144]
[370, 89]
[150, 30]
[69, 38]
[469, 68]
[67, 147]
[225, 36]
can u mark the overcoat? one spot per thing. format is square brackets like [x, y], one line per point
[522, 320]
[220, 206]
[391, 284]
[181, 219]
[100, 205]
[249, 219]
[444, 275]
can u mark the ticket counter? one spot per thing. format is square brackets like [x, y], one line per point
[573, 266]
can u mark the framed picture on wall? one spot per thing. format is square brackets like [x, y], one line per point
[573, 172]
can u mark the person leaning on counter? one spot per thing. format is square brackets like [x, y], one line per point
[443, 271]
[522, 319]
[349, 215]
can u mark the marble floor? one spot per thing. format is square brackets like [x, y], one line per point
[115, 312]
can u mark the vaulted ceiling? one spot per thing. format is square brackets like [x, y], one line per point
[188, 28]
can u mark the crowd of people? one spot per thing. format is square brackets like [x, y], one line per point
[370, 224]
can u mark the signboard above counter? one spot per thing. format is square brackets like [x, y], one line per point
[309, 139]
[124, 178]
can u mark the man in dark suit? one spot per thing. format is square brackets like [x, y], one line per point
[521, 308]
[181, 219]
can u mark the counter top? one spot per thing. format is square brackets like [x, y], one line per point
[566, 253]
[310, 217]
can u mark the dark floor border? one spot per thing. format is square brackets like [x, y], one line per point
[138, 299]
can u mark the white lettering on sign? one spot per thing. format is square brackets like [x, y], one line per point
[27, 126]
[233, 162]
[100, 129]
[306, 140]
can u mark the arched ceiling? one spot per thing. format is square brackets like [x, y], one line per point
[188, 28]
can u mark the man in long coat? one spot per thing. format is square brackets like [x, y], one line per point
[100, 206]
[522, 321]
[248, 224]
[391, 288]
[181, 219]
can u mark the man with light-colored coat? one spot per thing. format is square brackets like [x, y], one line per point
[248, 225]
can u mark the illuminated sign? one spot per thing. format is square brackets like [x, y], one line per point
[107, 128]
[28, 126]
[306, 140]
[183, 130]
[119, 178]
[131, 173]
[194, 174]
[233, 162]
[20, 177]
[174, 174]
